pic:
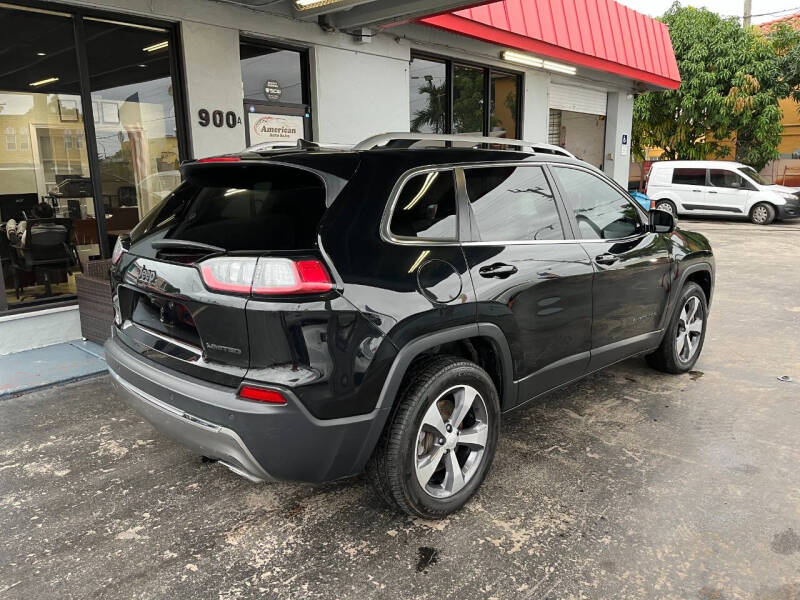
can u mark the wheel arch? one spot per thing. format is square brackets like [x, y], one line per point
[487, 333]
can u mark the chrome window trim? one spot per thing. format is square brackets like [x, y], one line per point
[388, 211]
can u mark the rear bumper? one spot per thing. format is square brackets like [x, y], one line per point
[259, 441]
[204, 437]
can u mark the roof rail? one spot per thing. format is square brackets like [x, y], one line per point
[404, 139]
[300, 144]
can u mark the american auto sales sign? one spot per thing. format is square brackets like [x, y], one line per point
[274, 128]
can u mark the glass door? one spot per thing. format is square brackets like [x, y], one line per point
[135, 124]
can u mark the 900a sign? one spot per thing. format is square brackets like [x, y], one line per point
[217, 118]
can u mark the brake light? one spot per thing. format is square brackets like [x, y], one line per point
[220, 159]
[249, 392]
[286, 276]
[265, 275]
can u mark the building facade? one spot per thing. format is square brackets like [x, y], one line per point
[100, 101]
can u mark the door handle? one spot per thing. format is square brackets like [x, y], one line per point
[698, 191]
[712, 192]
[606, 259]
[500, 270]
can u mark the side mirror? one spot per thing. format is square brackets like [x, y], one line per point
[661, 221]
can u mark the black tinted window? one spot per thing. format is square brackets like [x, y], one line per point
[726, 179]
[513, 203]
[426, 207]
[602, 212]
[242, 208]
[689, 176]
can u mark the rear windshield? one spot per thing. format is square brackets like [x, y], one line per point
[241, 207]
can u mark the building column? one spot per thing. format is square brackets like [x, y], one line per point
[536, 106]
[357, 94]
[213, 84]
[619, 120]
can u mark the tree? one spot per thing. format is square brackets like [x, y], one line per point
[433, 115]
[730, 87]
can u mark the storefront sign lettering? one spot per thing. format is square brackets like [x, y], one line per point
[218, 118]
[274, 128]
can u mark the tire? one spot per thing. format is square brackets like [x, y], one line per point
[667, 206]
[411, 449]
[672, 355]
[762, 213]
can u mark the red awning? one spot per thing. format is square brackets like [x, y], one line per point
[597, 34]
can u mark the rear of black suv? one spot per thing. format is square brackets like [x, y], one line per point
[231, 333]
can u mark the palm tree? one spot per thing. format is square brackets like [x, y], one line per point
[433, 115]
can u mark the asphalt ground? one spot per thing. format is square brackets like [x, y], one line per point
[628, 484]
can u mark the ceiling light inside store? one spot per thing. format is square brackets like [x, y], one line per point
[559, 68]
[522, 59]
[154, 47]
[43, 81]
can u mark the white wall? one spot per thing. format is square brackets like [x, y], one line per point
[358, 94]
[38, 329]
[214, 82]
[536, 103]
[618, 129]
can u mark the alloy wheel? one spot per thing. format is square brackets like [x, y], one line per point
[451, 441]
[760, 214]
[690, 329]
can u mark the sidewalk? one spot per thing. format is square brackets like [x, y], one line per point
[42, 367]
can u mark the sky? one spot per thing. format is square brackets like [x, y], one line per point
[781, 8]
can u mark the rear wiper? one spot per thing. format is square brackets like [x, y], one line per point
[185, 245]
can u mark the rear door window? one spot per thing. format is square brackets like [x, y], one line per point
[242, 208]
[513, 204]
[689, 177]
[426, 207]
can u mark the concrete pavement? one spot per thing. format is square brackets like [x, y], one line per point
[629, 484]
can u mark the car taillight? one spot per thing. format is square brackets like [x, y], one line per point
[265, 276]
[233, 274]
[249, 392]
[119, 249]
[286, 276]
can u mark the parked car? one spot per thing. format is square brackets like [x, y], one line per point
[707, 187]
[305, 314]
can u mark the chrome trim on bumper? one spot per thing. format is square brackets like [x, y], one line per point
[209, 439]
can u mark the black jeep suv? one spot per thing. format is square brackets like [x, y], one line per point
[305, 314]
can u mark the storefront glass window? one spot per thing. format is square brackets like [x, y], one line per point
[503, 105]
[271, 74]
[47, 220]
[447, 97]
[275, 98]
[134, 118]
[468, 100]
[428, 93]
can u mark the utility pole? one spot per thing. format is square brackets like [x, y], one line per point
[748, 10]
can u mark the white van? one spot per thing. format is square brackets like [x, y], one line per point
[711, 187]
